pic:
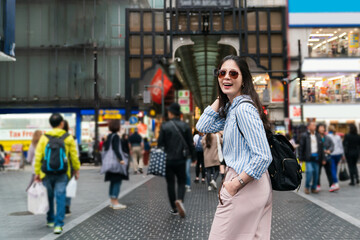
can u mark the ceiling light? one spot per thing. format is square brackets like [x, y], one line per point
[335, 31]
[332, 39]
[314, 39]
[343, 34]
[317, 31]
[322, 35]
[310, 44]
[351, 31]
[339, 29]
[321, 29]
[356, 29]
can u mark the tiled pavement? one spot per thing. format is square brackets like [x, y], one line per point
[147, 217]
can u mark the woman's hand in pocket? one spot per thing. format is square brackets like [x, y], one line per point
[122, 162]
[230, 187]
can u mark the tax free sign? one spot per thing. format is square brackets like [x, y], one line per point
[324, 13]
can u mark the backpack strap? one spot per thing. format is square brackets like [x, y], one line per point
[237, 124]
[62, 137]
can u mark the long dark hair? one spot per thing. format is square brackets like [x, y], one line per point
[208, 139]
[247, 88]
[352, 128]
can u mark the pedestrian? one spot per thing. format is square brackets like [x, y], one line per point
[221, 155]
[31, 154]
[211, 159]
[351, 148]
[200, 158]
[311, 151]
[136, 149]
[125, 143]
[113, 141]
[68, 200]
[146, 151]
[245, 207]
[328, 149]
[101, 144]
[335, 156]
[175, 136]
[55, 182]
[2, 157]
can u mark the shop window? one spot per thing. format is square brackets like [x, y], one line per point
[334, 42]
[338, 89]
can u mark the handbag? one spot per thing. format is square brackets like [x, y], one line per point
[157, 165]
[343, 174]
[38, 202]
[110, 162]
[185, 151]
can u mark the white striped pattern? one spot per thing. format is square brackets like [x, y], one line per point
[250, 154]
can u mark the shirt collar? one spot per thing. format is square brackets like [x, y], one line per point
[239, 99]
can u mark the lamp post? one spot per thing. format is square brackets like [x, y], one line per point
[172, 70]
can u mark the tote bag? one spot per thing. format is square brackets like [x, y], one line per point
[343, 174]
[157, 165]
[110, 162]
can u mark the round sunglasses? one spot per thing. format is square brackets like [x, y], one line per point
[222, 73]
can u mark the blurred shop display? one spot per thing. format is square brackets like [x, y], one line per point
[85, 152]
[338, 89]
[334, 42]
[16, 157]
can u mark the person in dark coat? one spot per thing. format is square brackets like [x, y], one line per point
[115, 178]
[311, 151]
[174, 145]
[351, 148]
[328, 149]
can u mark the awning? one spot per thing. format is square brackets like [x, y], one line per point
[6, 58]
[331, 65]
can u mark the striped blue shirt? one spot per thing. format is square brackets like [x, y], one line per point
[250, 154]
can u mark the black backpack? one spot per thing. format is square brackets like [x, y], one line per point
[55, 159]
[285, 171]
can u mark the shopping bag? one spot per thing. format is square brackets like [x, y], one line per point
[110, 162]
[71, 188]
[343, 174]
[38, 202]
[157, 165]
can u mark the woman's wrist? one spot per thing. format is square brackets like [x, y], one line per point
[215, 105]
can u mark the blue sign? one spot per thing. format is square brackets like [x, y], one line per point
[324, 13]
[133, 120]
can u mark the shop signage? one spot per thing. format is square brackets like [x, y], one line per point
[156, 84]
[185, 109]
[327, 13]
[18, 134]
[110, 114]
[184, 101]
[277, 91]
[295, 111]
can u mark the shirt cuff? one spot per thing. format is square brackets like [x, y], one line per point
[209, 111]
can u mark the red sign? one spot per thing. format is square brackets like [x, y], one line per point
[156, 81]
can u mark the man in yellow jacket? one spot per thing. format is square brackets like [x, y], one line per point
[56, 183]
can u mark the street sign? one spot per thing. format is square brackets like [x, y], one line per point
[184, 94]
[147, 96]
[133, 120]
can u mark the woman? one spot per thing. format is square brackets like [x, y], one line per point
[31, 154]
[245, 198]
[115, 179]
[335, 156]
[146, 151]
[351, 148]
[211, 159]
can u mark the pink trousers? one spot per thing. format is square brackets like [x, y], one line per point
[247, 214]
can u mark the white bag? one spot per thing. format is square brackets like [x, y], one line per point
[71, 188]
[38, 202]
